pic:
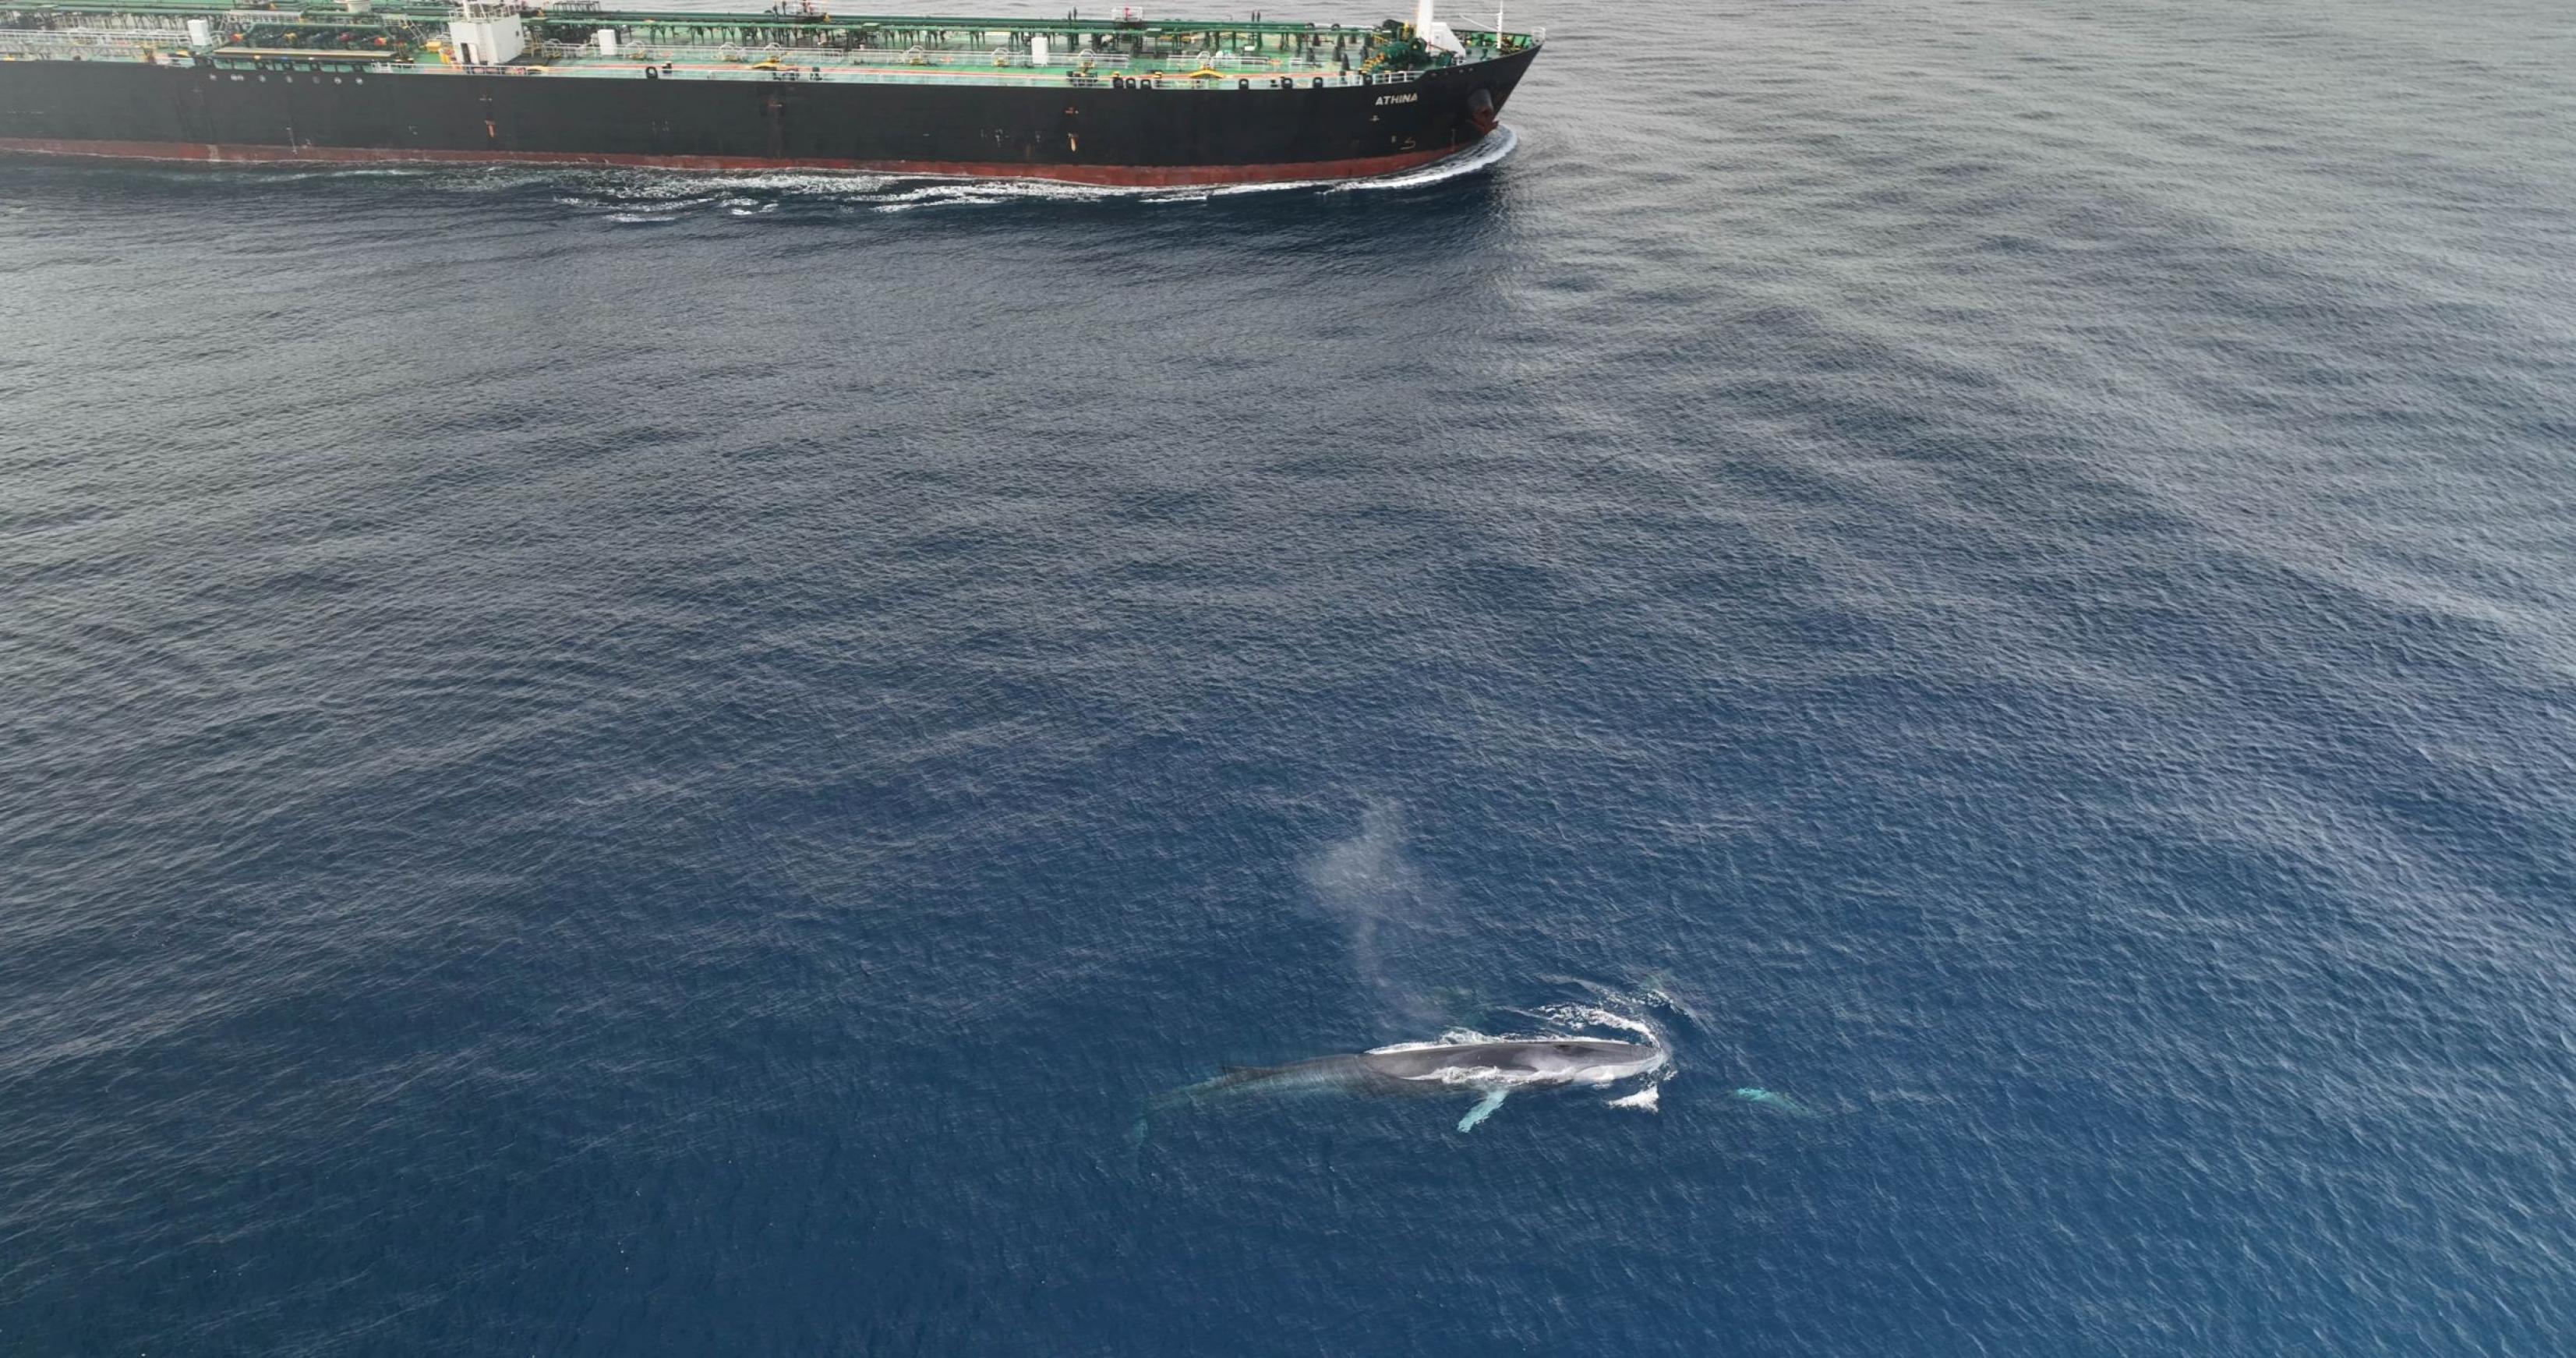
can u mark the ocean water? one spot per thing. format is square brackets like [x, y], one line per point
[598, 764]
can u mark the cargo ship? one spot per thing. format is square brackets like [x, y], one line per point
[1121, 99]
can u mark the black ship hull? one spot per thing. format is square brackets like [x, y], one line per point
[1089, 133]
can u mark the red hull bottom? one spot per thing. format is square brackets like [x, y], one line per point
[1121, 176]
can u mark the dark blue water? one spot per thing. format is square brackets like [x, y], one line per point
[615, 766]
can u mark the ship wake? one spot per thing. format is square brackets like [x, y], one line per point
[656, 198]
[639, 197]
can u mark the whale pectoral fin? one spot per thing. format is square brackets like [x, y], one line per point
[1484, 1109]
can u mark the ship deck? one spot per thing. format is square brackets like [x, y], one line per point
[836, 71]
[793, 44]
[886, 68]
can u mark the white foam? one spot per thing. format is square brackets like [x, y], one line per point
[1490, 151]
[1646, 1100]
[984, 192]
[1485, 153]
[1587, 1015]
[626, 191]
[668, 202]
[706, 188]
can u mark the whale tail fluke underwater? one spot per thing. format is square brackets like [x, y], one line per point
[1777, 1103]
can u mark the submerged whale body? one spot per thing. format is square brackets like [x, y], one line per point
[1491, 1071]
[1780, 1103]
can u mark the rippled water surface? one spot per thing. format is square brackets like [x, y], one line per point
[612, 765]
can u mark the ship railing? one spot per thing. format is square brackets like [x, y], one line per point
[1477, 35]
[92, 37]
[1251, 61]
[246, 19]
[692, 66]
[58, 44]
[957, 58]
[735, 54]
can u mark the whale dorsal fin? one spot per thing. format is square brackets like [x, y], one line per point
[1237, 1070]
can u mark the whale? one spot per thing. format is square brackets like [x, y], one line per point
[1488, 1072]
